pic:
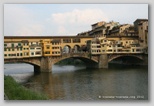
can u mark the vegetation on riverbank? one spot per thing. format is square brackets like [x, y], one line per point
[70, 61]
[15, 91]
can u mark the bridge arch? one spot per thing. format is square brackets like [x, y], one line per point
[131, 58]
[90, 63]
[33, 62]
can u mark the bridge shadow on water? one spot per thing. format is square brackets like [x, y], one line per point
[126, 66]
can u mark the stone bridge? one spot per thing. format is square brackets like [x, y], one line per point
[44, 64]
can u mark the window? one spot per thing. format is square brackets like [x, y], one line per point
[109, 50]
[47, 52]
[32, 48]
[19, 44]
[5, 49]
[66, 40]
[26, 54]
[32, 53]
[5, 55]
[38, 53]
[98, 50]
[12, 45]
[25, 44]
[76, 40]
[5, 44]
[47, 47]
[38, 48]
[138, 50]
[13, 54]
[20, 54]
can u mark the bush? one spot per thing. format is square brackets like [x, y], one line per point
[15, 91]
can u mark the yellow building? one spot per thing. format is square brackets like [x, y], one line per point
[46, 47]
[56, 47]
[25, 47]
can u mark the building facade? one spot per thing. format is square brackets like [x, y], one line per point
[119, 45]
[24, 47]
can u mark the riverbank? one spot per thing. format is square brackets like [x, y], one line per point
[15, 91]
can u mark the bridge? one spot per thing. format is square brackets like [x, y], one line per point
[43, 52]
[44, 64]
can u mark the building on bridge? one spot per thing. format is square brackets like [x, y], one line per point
[24, 47]
[13, 50]
[116, 44]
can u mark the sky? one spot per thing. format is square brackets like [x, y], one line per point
[66, 19]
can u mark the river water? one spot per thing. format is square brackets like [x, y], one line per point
[119, 82]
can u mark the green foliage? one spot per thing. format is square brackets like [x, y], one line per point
[70, 61]
[15, 91]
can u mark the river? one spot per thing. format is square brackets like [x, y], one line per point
[118, 82]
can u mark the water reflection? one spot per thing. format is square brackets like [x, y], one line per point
[77, 83]
[90, 84]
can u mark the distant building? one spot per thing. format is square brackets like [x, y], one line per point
[137, 22]
[98, 24]
[83, 33]
[102, 29]
[143, 34]
[99, 29]
[141, 27]
[121, 30]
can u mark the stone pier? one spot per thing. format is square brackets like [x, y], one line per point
[103, 61]
[46, 64]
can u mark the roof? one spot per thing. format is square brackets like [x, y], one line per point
[28, 37]
[98, 23]
[140, 20]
